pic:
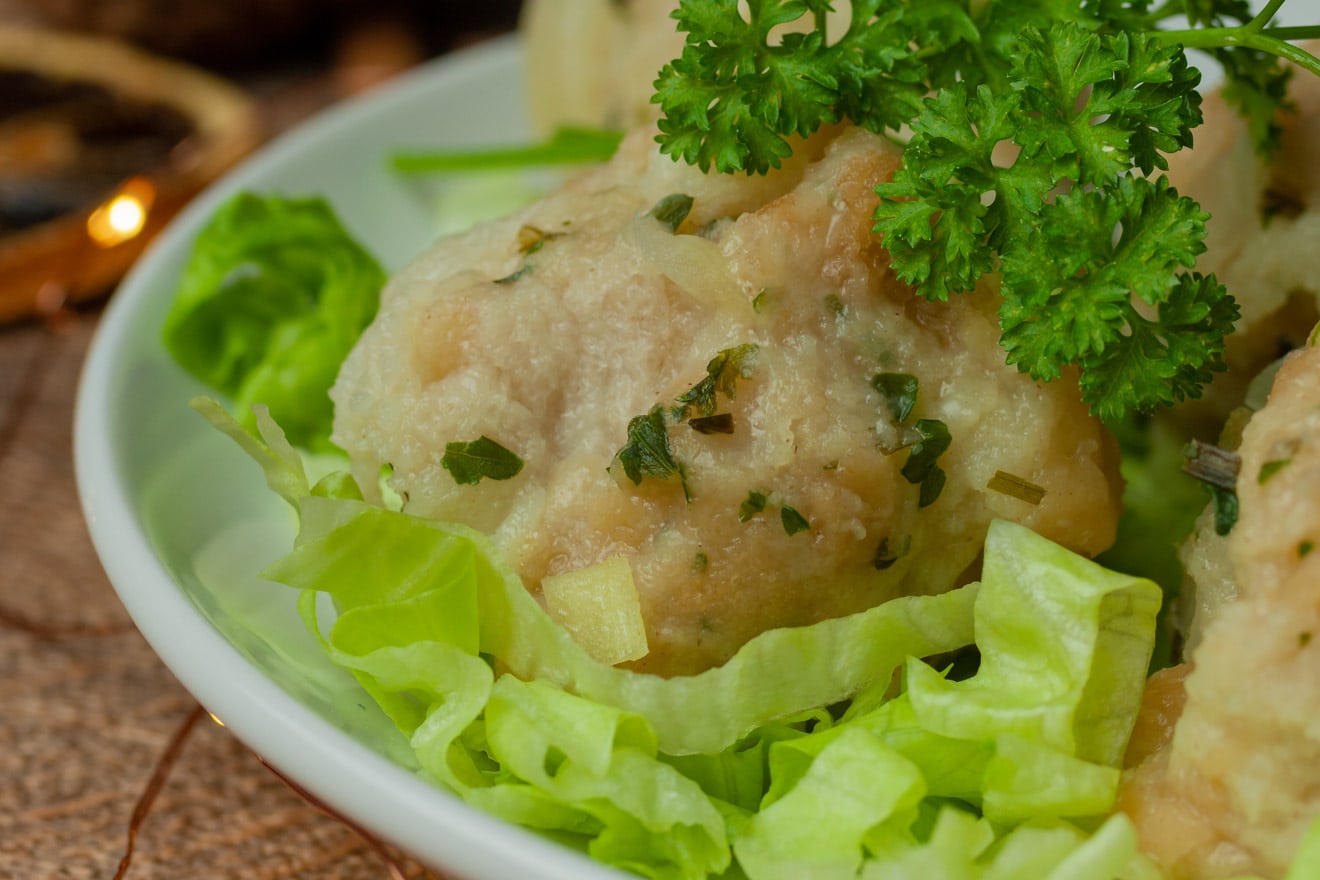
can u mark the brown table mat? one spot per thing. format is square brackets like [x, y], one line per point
[87, 711]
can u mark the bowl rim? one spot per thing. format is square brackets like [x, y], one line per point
[427, 822]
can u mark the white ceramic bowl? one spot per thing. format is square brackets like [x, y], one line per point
[182, 519]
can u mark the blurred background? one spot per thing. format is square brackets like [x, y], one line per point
[114, 112]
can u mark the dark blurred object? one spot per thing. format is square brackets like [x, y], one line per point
[102, 139]
[234, 33]
[100, 145]
[64, 144]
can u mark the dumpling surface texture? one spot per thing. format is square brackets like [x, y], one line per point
[550, 331]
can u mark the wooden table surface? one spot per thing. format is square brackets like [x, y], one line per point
[88, 714]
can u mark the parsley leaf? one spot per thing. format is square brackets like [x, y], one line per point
[789, 517]
[672, 210]
[751, 506]
[648, 452]
[792, 521]
[1256, 81]
[736, 93]
[722, 373]
[1094, 97]
[469, 462]
[899, 391]
[1076, 304]
[921, 467]
[1072, 264]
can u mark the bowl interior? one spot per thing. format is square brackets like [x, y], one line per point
[183, 522]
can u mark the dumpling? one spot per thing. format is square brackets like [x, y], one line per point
[771, 305]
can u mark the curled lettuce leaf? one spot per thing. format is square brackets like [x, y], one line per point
[1035, 735]
[274, 295]
[1306, 861]
[760, 768]
[817, 828]
[374, 558]
[963, 847]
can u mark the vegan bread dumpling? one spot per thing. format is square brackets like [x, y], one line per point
[731, 392]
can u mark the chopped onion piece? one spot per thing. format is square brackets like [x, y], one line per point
[598, 606]
[695, 264]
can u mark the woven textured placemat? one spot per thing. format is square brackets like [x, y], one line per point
[91, 723]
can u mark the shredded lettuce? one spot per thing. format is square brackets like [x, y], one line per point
[1306, 861]
[273, 297]
[805, 755]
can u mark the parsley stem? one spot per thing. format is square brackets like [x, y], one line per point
[1265, 16]
[1301, 32]
[1263, 41]
[1171, 7]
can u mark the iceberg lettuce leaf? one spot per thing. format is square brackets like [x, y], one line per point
[674, 778]
[818, 827]
[963, 847]
[371, 556]
[1064, 648]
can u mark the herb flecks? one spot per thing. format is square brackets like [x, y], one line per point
[886, 556]
[756, 503]
[926, 441]
[531, 238]
[793, 521]
[1226, 508]
[921, 467]
[1270, 468]
[1217, 469]
[530, 241]
[470, 462]
[720, 423]
[752, 505]
[672, 210]
[722, 373]
[522, 271]
[899, 391]
[648, 452]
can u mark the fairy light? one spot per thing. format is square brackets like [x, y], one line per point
[123, 216]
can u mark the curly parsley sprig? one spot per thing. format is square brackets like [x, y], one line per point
[1094, 253]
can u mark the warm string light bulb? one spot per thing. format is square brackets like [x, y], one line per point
[123, 216]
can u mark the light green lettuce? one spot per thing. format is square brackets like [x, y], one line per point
[1037, 733]
[381, 566]
[272, 298]
[763, 767]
